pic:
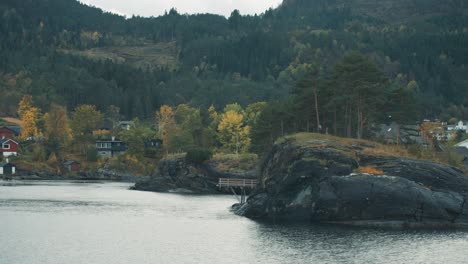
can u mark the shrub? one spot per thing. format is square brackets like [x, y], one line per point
[38, 153]
[198, 155]
[91, 154]
[370, 170]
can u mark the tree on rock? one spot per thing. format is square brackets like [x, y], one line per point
[232, 133]
[166, 124]
[363, 91]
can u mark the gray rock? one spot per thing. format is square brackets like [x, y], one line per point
[176, 175]
[316, 183]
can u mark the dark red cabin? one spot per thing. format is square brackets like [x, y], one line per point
[72, 165]
[9, 132]
[8, 147]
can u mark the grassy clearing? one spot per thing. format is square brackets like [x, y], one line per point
[147, 56]
[235, 162]
[351, 147]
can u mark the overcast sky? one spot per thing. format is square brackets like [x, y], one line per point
[157, 7]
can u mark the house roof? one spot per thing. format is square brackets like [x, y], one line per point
[126, 122]
[5, 140]
[462, 144]
[109, 141]
[15, 129]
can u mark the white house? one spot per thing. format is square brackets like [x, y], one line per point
[7, 168]
[460, 126]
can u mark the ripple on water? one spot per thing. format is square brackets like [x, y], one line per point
[69, 222]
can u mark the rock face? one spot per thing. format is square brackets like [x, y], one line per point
[310, 179]
[176, 175]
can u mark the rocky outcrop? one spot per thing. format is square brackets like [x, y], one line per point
[176, 175]
[311, 178]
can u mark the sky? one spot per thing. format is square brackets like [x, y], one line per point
[158, 7]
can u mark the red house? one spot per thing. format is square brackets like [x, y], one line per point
[72, 165]
[9, 131]
[8, 147]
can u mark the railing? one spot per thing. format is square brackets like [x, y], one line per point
[229, 182]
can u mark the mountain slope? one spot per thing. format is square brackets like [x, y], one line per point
[67, 52]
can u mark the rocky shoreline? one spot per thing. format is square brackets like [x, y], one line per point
[179, 176]
[312, 178]
[100, 175]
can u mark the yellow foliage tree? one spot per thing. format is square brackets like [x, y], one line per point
[166, 123]
[57, 127]
[212, 112]
[232, 133]
[29, 115]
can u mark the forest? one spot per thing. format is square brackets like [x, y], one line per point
[304, 58]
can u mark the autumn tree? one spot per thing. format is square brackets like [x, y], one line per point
[166, 124]
[190, 131]
[136, 137]
[29, 115]
[85, 119]
[232, 133]
[57, 128]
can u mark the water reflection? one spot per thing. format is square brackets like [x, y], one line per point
[70, 222]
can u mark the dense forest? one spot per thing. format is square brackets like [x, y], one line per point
[294, 56]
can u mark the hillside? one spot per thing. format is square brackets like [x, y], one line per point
[150, 56]
[66, 52]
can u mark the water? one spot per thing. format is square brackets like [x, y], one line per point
[101, 223]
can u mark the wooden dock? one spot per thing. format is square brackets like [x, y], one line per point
[239, 184]
[242, 183]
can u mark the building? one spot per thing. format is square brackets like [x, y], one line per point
[110, 148]
[462, 149]
[9, 131]
[153, 144]
[460, 126]
[72, 166]
[8, 147]
[126, 125]
[7, 168]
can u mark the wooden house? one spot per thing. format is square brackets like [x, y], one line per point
[9, 131]
[8, 147]
[153, 144]
[7, 168]
[72, 166]
[110, 148]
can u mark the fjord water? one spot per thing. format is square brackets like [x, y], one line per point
[101, 223]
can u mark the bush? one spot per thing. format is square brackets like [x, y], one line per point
[198, 155]
[91, 154]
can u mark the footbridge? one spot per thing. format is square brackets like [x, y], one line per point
[236, 184]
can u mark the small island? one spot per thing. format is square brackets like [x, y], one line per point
[325, 179]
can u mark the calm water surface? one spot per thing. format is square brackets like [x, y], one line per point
[105, 223]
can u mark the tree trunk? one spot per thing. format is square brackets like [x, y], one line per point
[317, 110]
[359, 119]
[334, 123]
